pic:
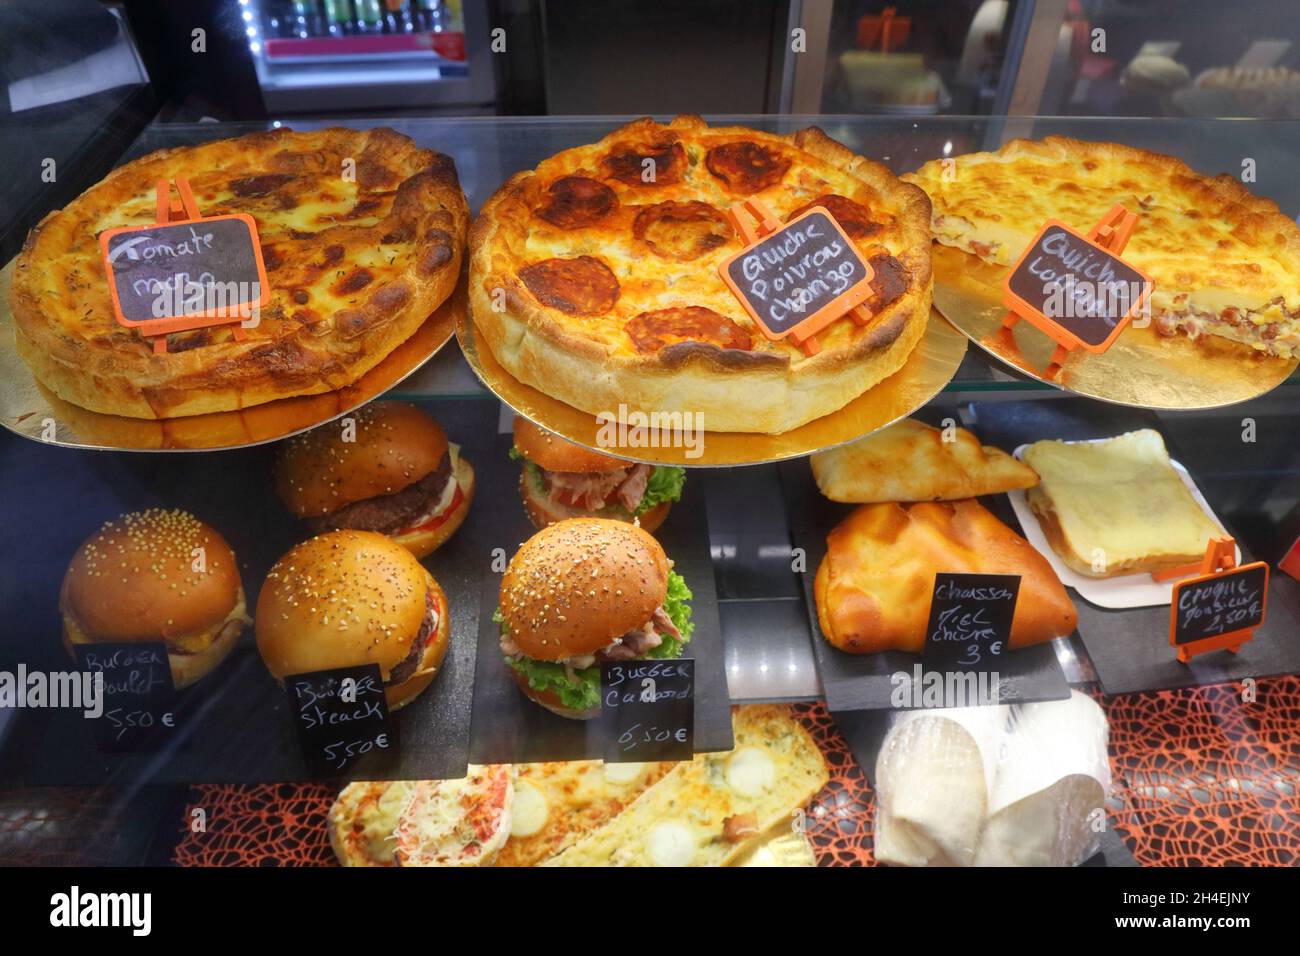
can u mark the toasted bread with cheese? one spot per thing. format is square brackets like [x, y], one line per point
[910, 461]
[1116, 506]
[709, 811]
[874, 587]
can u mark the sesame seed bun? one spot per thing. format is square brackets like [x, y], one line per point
[396, 445]
[348, 598]
[156, 576]
[557, 454]
[576, 585]
[543, 511]
[421, 543]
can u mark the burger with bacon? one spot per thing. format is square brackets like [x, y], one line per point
[583, 591]
[387, 468]
[562, 480]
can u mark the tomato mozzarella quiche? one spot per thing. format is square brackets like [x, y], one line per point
[594, 278]
[1225, 262]
[361, 234]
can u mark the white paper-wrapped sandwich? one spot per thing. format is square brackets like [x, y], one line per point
[993, 786]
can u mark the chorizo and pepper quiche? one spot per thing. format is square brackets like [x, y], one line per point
[361, 233]
[594, 278]
[1225, 262]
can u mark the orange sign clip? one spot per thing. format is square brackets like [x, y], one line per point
[1196, 609]
[150, 263]
[1111, 234]
[755, 222]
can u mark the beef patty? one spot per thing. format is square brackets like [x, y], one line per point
[411, 662]
[387, 513]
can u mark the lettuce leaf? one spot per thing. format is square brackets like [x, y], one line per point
[515, 454]
[582, 691]
[665, 484]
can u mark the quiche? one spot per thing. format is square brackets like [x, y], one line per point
[594, 277]
[361, 233]
[1225, 262]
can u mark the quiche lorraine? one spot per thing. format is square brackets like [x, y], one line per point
[1225, 262]
[594, 278]
[361, 233]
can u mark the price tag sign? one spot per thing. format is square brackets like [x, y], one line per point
[1218, 607]
[138, 696]
[648, 709]
[970, 621]
[799, 278]
[341, 715]
[171, 276]
[1074, 290]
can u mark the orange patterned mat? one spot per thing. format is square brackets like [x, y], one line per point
[1201, 777]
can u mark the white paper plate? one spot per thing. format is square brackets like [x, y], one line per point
[1125, 591]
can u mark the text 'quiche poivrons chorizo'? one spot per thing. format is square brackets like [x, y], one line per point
[361, 233]
[594, 278]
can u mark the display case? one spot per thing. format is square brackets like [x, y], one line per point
[1012, 595]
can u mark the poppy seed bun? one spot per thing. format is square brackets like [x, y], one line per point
[136, 580]
[543, 511]
[576, 585]
[421, 543]
[396, 445]
[347, 598]
[557, 454]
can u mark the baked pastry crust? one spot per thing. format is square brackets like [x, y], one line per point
[356, 263]
[873, 588]
[602, 290]
[910, 461]
[1225, 262]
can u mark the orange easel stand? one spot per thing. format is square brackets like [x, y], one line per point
[764, 223]
[1112, 233]
[1220, 556]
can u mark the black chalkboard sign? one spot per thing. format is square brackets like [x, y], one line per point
[648, 709]
[138, 696]
[342, 716]
[802, 276]
[202, 267]
[1074, 289]
[1231, 601]
[970, 621]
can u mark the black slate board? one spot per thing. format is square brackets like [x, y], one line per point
[235, 725]
[865, 731]
[510, 728]
[1130, 648]
[862, 681]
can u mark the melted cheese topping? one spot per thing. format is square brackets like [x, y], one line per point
[1208, 244]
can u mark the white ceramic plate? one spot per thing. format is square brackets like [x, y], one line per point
[1125, 591]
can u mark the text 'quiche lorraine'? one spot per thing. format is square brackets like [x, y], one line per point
[361, 233]
[594, 278]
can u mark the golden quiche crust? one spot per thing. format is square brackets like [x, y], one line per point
[361, 233]
[1225, 262]
[601, 289]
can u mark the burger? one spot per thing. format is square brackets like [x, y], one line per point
[347, 598]
[562, 480]
[156, 576]
[584, 591]
[388, 468]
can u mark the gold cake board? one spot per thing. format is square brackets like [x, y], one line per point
[1142, 368]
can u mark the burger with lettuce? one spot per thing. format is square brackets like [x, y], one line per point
[562, 480]
[583, 591]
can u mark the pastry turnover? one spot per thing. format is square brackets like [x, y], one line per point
[910, 461]
[874, 586]
[1117, 506]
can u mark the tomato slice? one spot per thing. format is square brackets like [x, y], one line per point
[437, 520]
